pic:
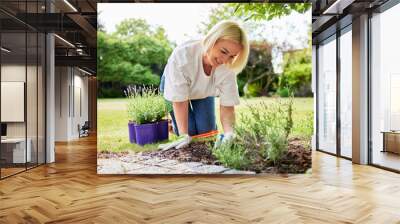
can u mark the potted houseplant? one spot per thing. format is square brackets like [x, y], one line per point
[146, 110]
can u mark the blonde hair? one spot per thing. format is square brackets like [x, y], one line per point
[229, 30]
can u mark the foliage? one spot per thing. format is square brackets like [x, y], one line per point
[276, 147]
[283, 92]
[134, 55]
[289, 117]
[251, 12]
[258, 75]
[259, 11]
[252, 90]
[232, 155]
[261, 135]
[145, 105]
[130, 27]
[222, 12]
[297, 72]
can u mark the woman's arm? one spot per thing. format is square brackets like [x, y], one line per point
[227, 116]
[181, 116]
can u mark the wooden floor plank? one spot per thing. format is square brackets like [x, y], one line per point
[70, 191]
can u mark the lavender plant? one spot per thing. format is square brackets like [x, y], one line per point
[261, 136]
[145, 105]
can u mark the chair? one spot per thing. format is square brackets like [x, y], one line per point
[84, 130]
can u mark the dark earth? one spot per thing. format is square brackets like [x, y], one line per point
[195, 152]
[296, 160]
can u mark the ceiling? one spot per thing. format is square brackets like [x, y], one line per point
[74, 22]
[330, 15]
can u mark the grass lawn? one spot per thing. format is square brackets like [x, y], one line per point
[112, 122]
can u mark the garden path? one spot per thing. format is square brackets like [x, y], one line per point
[142, 164]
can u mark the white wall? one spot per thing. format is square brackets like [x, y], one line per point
[62, 80]
[71, 94]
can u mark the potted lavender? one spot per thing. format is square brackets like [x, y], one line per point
[146, 110]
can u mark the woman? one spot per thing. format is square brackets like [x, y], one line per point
[196, 72]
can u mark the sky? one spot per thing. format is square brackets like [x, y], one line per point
[181, 22]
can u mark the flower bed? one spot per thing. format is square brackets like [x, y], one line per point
[297, 159]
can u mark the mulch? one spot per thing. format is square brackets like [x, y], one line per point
[296, 160]
[195, 152]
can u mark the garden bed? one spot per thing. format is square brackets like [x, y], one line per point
[195, 152]
[297, 159]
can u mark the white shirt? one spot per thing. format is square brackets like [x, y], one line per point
[185, 78]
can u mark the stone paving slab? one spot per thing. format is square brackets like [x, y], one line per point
[154, 161]
[152, 170]
[109, 166]
[209, 169]
[186, 166]
[139, 164]
[240, 172]
[168, 163]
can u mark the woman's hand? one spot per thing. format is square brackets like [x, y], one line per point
[182, 142]
[223, 138]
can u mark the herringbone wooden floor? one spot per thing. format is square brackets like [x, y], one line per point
[70, 191]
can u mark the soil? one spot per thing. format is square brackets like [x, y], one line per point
[296, 160]
[195, 152]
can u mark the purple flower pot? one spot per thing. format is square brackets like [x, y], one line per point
[146, 133]
[132, 133]
[162, 127]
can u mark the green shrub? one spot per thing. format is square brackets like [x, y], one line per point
[297, 72]
[108, 93]
[145, 105]
[232, 155]
[276, 146]
[283, 92]
[261, 136]
[252, 90]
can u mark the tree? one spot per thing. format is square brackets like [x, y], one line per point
[251, 12]
[135, 27]
[130, 27]
[222, 12]
[267, 11]
[297, 73]
[133, 55]
[258, 76]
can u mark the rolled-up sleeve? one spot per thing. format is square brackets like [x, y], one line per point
[176, 84]
[229, 93]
